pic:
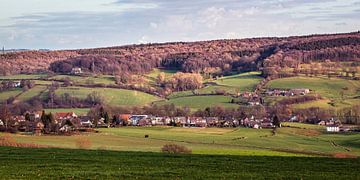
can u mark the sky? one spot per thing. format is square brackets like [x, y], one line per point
[72, 24]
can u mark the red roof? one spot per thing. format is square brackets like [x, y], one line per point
[64, 114]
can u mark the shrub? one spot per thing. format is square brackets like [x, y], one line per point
[175, 149]
[83, 143]
[8, 140]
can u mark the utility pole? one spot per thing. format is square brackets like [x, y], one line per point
[3, 50]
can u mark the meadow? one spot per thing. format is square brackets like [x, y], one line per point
[201, 102]
[117, 97]
[25, 163]
[295, 140]
[336, 92]
[77, 111]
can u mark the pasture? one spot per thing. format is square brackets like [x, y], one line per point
[77, 111]
[117, 97]
[10, 93]
[243, 81]
[200, 102]
[25, 163]
[295, 140]
[337, 93]
[329, 88]
[88, 80]
[23, 76]
[35, 91]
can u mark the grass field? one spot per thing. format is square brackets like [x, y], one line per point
[296, 140]
[24, 76]
[341, 92]
[118, 97]
[31, 93]
[329, 88]
[7, 94]
[244, 81]
[23, 163]
[201, 102]
[77, 111]
[103, 79]
[155, 72]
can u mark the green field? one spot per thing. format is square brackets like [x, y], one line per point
[117, 97]
[342, 92]
[31, 93]
[103, 79]
[24, 163]
[329, 88]
[24, 76]
[297, 140]
[7, 94]
[244, 81]
[155, 73]
[201, 102]
[77, 111]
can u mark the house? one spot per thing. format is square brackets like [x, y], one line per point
[76, 71]
[300, 91]
[1, 123]
[38, 128]
[180, 121]
[134, 119]
[65, 115]
[85, 122]
[212, 121]
[332, 128]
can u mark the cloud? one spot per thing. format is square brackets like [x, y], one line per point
[110, 22]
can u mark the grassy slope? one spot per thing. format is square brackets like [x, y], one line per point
[7, 94]
[31, 92]
[77, 111]
[112, 96]
[103, 79]
[24, 76]
[244, 81]
[21, 163]
[230, 84]
[328, 88]
[243, 141]
[201, 102]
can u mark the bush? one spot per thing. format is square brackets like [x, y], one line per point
[175, 149]
[83, 143]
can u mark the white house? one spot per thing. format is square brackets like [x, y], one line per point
[76, 71]
[1, 123]
[333, 128]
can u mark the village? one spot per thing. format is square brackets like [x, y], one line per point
[67, 123]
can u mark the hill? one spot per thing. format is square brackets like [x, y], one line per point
[225, 55]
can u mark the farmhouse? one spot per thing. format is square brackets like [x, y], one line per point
[134, 119]
[76, 71]
[65, 115]
[291, 92]
[300, 91]
[332, 128]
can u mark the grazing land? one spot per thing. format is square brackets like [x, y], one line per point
[243, 81]
[117, 97]
[77, 111]
[295, 140]
[198, 101]
[336, 92]
[89, 164]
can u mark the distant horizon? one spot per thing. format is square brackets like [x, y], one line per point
[121, 45]
[76, 24]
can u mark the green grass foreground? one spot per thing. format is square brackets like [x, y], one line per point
[24, 163]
